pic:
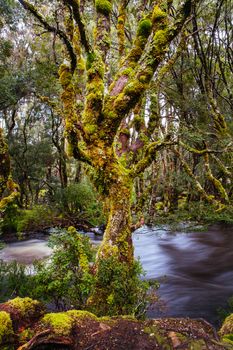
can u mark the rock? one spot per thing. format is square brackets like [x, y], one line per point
[23, 311]
[79, 330]
[6, 329]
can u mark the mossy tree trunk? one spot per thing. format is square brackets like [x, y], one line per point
[93, 121]
[8, 189]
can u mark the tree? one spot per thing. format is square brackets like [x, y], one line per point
[97, 102]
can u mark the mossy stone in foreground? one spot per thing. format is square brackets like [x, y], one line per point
[62, 323]
[25, 306]
[6, 330]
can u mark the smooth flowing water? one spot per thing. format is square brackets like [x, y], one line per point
[195, 269]
[26, 252]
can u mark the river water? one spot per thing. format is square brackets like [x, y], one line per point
[195, 269]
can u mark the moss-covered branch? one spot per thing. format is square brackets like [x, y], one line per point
[222, 167]
[72, 126]
[33, 10]
[81, 25]
[127, 89]
[121, 27]
[210, 199]
[6, 182]
[216, 183]
[204, 151]
[102, 38]
[150, 155]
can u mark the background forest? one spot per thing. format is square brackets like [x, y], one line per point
[113, 114]
[189, 103]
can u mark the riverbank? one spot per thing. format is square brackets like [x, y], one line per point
[26, 326]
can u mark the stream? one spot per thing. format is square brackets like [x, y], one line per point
[195, 269]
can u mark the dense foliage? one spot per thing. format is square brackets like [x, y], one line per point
[66, 280]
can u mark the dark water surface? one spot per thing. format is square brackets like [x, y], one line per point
[195, 270]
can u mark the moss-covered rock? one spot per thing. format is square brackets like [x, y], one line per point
[23, 311]
[60, 323]
[26, 306]
[6, 330]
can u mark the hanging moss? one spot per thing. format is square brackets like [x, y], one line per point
[103, 6]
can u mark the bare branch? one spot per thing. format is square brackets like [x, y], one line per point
[33, 10]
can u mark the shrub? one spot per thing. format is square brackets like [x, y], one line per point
[8, 219]
[39, 217]
[15, 280]
[80, 201]
[66, 280]
[121, 289]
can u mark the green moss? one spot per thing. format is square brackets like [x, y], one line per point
[144, 28]
[81, 314]
[160, 38]
[125, 132]
[227, 327]
[103, 6]
[228, 338]
[65, 75]
[90, 59]
[158, 14]
[127, 71]
[197, 345]
[61, 323]
[161, 339]
[24, 305]
[6, 330]
[134, 87]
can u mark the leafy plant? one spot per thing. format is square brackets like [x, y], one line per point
[224, 312]
[80, 201]
[15, 280]
[8, 219]
[33, 219]
[66, 279]
[123, 291]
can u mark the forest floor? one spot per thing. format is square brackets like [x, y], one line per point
[80, 330]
